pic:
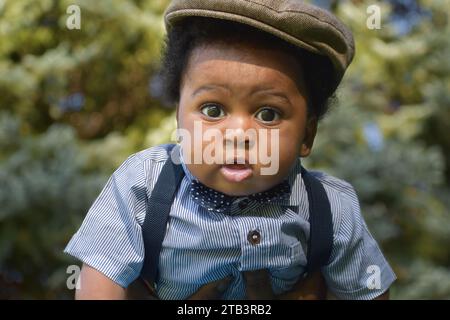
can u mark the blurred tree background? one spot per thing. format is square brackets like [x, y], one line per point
[75, 103]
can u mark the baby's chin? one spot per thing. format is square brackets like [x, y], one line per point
[234, 191]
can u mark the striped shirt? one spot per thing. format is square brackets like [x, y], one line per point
[201, 246]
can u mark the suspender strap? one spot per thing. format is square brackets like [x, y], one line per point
[157, 215]
[321, 224]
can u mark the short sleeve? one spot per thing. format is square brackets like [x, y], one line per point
[110, 238]
[357, 269]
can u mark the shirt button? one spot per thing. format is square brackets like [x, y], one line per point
[254, 237]
[243, 204]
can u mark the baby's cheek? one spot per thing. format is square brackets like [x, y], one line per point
[289, 146]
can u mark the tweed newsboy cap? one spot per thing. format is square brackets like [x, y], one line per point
[299, 23]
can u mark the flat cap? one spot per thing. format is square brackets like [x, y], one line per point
[299, 23]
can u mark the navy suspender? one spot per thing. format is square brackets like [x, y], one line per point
[157, 215]
[320, 222]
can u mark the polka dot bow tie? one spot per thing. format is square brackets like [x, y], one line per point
[220, 202]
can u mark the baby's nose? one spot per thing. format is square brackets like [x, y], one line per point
[241, 122]
[240, 137]
[238, 131]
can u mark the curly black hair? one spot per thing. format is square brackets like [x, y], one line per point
[196, 31]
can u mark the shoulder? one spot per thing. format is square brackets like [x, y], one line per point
[159, 153]
[144, 164]
[151, 162]
[136, 177]
[343, 200]
[335, 187]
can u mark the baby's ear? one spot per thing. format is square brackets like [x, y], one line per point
[310, 134]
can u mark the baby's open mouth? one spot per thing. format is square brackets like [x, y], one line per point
[236, 172]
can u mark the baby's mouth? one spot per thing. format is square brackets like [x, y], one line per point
[236, 172]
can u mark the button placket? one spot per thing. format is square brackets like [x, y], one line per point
[255, 242]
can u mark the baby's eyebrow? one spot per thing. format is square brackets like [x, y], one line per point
[270, 91]
[209, 87]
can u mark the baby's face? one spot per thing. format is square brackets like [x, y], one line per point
[230, 93]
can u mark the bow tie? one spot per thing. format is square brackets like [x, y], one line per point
[220, 202]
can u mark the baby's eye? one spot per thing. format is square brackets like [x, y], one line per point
[213, 111]
[268, 115]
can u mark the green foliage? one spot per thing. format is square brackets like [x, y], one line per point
[107, 62]
[44, 187]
